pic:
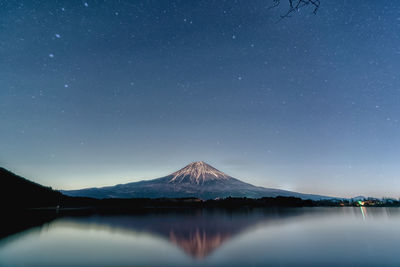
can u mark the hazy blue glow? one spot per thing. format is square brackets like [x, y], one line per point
[97, 93]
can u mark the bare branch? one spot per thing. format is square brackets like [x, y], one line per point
[295, 5]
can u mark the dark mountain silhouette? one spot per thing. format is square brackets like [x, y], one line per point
[198, 179]
[16, 191]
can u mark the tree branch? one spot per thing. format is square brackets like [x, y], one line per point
[295, 5]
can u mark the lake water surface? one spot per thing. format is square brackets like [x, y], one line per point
[248, 237]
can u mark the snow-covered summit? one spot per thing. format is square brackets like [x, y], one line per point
[197, 173]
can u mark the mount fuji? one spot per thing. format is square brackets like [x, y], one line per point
[198, 179]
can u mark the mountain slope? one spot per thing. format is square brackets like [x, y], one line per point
[16, 191]
[197, 179]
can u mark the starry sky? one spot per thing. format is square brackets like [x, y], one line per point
[96, 93]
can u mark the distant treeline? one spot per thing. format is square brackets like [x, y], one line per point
[230, 202]
[140, 203]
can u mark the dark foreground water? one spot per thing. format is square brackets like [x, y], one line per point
[251, 237]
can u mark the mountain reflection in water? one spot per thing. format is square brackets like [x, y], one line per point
[197, 232]
[212, 237]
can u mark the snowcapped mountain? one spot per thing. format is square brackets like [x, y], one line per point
[198, 179]
[198, 173]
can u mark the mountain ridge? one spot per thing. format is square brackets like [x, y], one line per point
[197, 179]
[19, 191]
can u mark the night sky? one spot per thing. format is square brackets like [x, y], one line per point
[96, 93]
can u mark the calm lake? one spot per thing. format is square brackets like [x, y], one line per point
[248, 237]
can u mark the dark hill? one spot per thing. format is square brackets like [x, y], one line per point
[16, 191]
